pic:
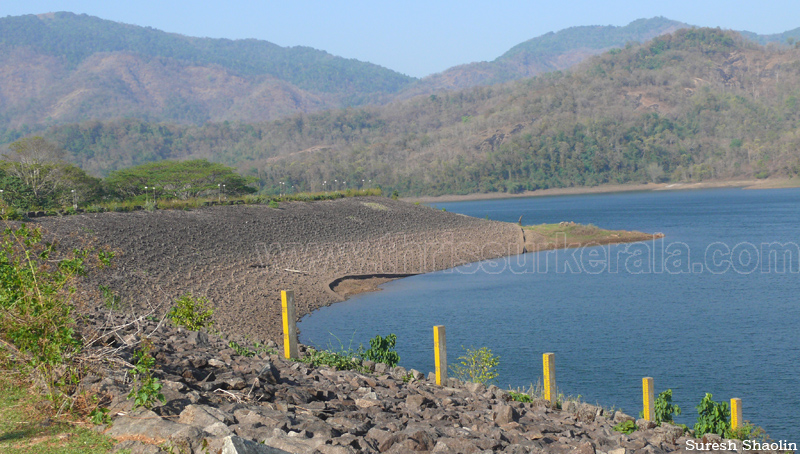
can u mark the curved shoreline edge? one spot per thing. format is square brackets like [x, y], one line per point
[241, 257]
[771, 183]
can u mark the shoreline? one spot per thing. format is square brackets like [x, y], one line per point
[772, 183]
[241, 257]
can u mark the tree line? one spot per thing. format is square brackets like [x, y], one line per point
[35, 175]
[693, 105]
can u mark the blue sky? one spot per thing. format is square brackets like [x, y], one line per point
[413, 37]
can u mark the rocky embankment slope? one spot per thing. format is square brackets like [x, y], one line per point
[241, 257]
[219, 401]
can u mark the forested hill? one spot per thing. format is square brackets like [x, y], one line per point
[63, 67]
[550, 52]
[692, 105]
[556, 51]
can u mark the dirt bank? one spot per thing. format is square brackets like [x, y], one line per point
[771, 183]
[240, 257]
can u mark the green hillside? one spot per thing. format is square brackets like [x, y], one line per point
[693, 105]
[77, 37]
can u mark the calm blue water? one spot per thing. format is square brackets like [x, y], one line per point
[692, 314]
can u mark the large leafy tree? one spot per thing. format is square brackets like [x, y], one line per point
[34, 174]
[178, 179]
[37, 163]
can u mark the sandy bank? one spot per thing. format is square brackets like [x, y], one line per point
[771, 183]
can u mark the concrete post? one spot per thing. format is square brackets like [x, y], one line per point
[289, 325]
[440, 354]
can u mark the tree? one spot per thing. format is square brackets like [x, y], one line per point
[178, 179]
[37, 163]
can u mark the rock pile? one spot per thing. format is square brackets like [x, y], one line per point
[220, 401]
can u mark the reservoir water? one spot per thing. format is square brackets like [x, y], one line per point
[711, 308]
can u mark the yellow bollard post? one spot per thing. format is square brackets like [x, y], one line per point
[736, 413]
[648, 396]
[440, 354]
[289, 324]
[549, 362]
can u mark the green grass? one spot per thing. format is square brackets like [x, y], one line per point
[250, 199]
[578, 234]
[27, 426]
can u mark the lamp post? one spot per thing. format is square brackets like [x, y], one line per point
[223, 190]
[3, 199]
[219, 192]
[74, 200]
[146, 195]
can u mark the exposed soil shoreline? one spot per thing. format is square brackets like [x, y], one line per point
[241, 257]
[772, 183]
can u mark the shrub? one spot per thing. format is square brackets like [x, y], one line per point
[747, 432]
[273, 204]
[627, 427]
[477, 366]
[664, 408]
[38, 294]
[147, 389]
[110, 297]
[520, 396]
[381, 350]
[713, 417]
[341, 360]
[190, 313]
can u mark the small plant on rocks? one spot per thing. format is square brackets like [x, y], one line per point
[712, 417]
[520, 396]
[627, 427]
[664, 408]
[381, 350]
[342, 360]
[191, 313]
[477, 366]
[146, 391]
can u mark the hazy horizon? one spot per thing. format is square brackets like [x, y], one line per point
[417, 38]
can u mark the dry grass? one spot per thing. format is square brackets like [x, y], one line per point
[571, 235]
[28, 424]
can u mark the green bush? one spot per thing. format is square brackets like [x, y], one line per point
[664, 408]
[747, 431]
[146, 390]
[110, 298]
[477, 366]
[340, 360]
[520, 396]
[190, 313]
[381, 350]
[38, 294]
[627, 427]
[273, 204]
[713, 417]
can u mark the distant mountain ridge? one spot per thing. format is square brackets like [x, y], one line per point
[561, 50]
[62, 68]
